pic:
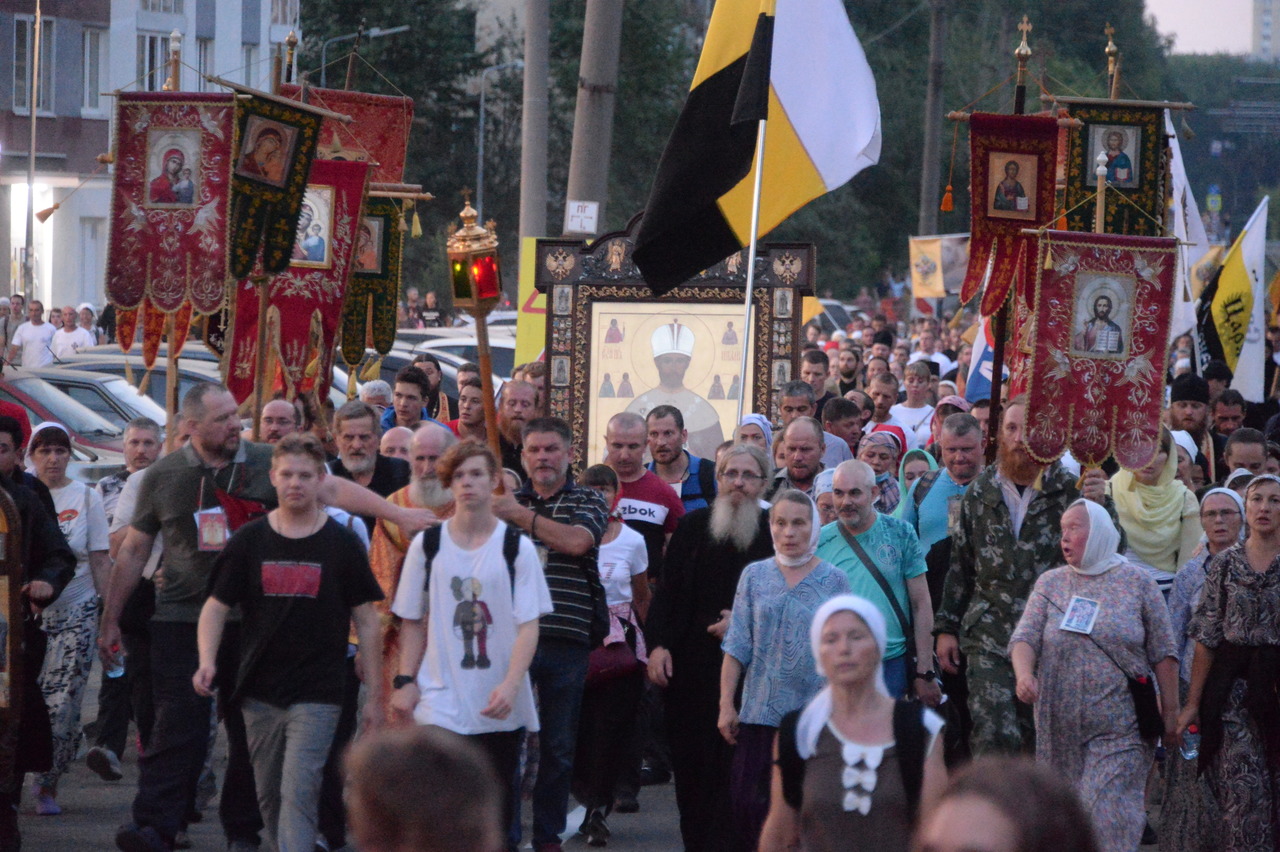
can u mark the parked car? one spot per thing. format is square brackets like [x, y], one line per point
[459, 350]
[833, 316]
[43, 401]
[108, 395]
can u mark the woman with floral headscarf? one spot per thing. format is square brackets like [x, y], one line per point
[766, 648]
[755, 430]
[1088, 627]
[881, 449]
[854, 768]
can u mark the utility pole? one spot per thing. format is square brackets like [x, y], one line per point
[593, 116]
[931, 166]
[533, 125]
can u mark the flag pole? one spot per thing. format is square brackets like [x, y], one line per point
[743, 388]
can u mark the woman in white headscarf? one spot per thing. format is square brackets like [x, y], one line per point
[1189, 817]
[766, 647]
[852, 769]
[755, 429]
[1089, 627]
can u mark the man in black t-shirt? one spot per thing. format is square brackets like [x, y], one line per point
[299, 578]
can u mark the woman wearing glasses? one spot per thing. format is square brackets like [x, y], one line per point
[1235, 675]
[1188, 818]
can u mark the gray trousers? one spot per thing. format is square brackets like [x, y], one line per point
[288, 747]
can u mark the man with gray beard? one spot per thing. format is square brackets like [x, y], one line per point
[687, 620]
[355, 427]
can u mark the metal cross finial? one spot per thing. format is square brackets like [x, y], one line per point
[1023, 51]
[466, 194]
[1025, 27]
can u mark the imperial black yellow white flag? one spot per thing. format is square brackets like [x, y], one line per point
[823, 128]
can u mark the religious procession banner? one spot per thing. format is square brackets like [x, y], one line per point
[378, 133]
[304, 301]
[1133, 140]
[1095, 379]
[1011, 186]
[937, 265]
[271, 160]
[169, 200]
[369, 314]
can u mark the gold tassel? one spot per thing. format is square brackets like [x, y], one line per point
[416, 232]
[372, 370]
[146, 380]
[1048, 257]
[948, 203]
[128, 373]
[404, 216]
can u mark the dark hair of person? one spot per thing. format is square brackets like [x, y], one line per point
[837, 409]
[961, 424]
[50, 436]
[413, 376]
[1243, 435]
[662, 411]
[460, 452]
[816, 356]
[797, 389]
[12, 428]
[554, 425]
[425, 358]
[599, 476]
[1230, 397]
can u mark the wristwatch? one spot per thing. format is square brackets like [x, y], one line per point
[401, 680]
[930, 675]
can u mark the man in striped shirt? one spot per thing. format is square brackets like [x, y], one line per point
[566, 522]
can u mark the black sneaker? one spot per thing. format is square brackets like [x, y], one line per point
[651, 776]
[131, 838]
[626, 803]
[595, 828]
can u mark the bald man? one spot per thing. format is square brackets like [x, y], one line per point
[647, 504]
[395, 442]
[389, 545]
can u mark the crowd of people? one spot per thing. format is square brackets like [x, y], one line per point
[843, 631]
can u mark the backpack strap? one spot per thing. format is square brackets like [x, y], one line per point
[790, 764]
[706, 479]
[909, 738]
[430, 547]
[923, 484]
[510, 550]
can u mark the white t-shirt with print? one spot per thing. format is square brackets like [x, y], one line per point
[620, 560]
[471, 597]
[67, 343]
[84, 524]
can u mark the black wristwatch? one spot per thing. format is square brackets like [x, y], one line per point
[930, 675]
[401, 680]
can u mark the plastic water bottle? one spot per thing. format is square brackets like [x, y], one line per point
[117, 663]
[1191, 743]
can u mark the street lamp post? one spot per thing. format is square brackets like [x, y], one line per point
[376, 32]
[484, 80]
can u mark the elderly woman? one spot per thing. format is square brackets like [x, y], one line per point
[70, 622]
[825, 497]
[1235, 675]
[1160, 516]
[767, 640]
[880, 449]
[852, 770]
[1088, 628]
[1189, 816]
[755, 430]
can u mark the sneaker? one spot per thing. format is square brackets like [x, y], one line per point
[595, 829]
[46, 803]
[131, 838]
[626, 803]
[651, 775]
[104, 763]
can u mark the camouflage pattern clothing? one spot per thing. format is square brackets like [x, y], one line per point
[991, 575]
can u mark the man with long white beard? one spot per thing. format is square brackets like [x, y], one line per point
[687, 620]
[1008, 533]
[390, 543]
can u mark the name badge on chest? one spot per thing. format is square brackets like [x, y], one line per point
[211, 529]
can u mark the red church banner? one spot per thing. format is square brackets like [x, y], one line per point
[1013, 160]
[378, 132]
[168, 209]
[305, 301]
[1095, 378]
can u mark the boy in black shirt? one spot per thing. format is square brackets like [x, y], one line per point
[300, 578]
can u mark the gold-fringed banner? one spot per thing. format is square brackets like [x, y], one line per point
[1132, 140]
[369, 314]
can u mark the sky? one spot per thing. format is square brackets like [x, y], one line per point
[1205, 27]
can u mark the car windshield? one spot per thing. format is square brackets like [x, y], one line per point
[504, 358]
[144, 405]
[66, 410]
[838, 314]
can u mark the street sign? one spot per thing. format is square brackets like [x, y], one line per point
[580, 217]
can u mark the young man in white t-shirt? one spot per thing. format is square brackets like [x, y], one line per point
[32, 339]
[467, 670]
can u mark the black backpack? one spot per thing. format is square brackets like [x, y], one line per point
[510, 550]
[909, 740]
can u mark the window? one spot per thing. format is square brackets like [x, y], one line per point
[204, 62]
[95, 43]
[284, 12]
[250, 64]
[153, 61]
[173, 7]
[23, 51]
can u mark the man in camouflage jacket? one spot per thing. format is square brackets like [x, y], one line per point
[1008, 533]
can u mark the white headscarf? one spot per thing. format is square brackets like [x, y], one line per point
[1234, 495]
[1100, 551]
[816, 714]
[814, 532]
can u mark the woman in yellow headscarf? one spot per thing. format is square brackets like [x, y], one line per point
[1160, 515]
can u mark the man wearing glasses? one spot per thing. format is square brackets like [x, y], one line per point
[687, 620]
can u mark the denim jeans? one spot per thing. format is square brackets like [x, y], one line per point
[558, 672]
[171, 764]
[289, 747]
[895, 675]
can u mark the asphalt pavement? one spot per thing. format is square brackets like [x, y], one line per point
[92, 809]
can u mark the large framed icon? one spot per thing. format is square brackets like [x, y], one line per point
[614, 346]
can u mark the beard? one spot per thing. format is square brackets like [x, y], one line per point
[358, 465]
[1017, 466]
[429, 492]
[736, 524]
